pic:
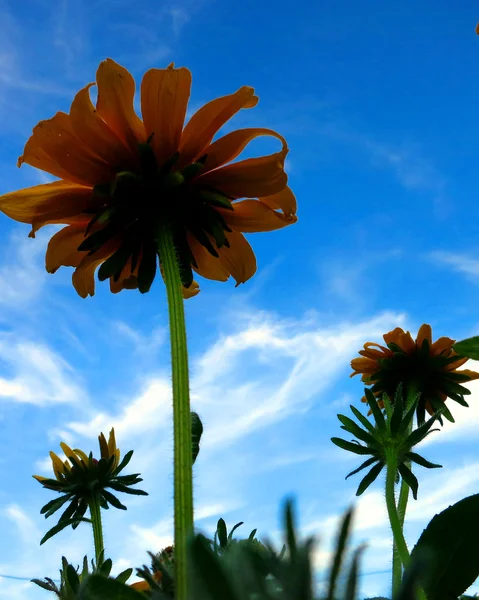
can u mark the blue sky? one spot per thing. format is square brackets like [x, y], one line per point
[378, 102]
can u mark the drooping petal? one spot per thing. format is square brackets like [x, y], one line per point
[209, 266]
[95, 134]
[251, 216]
[57, 464]
[424, 333]
[116, 93]
[56, 202]
[209, 119]
[284, 200]
[62, 249]
[83, 278]
[190, 292]
[456, 364]
[239, 258]
[250, 178]
[54, 148]
[164, 100]
[228, 147]
[471, 374]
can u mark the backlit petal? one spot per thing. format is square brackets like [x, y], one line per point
[83, 278]
[284, 200]
[239, 259]
[112, 443]
[441, 344]
[54, 148]
[209, 119]
[164, 100]
[252, 216]
[364, 365]
[116, 93]
[56, 202]
[62, 249]
[424, 333]
[57, 464]
[209, 266]
[253, 177]
[228, 147]
[471, 374]
[189, 292]
[95, 134]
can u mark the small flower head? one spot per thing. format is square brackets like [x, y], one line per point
[390, 435]
[421, 366]
[123, 180]
[81, 478]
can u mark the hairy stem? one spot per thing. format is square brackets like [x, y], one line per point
[95, 513]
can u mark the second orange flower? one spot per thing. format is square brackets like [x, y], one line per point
[121, 179]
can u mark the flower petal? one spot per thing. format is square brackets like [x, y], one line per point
[228, 147]
[111, 443]
[424, 333]
[57, 464]
[83, 278]
[209, 119]
[364, 365]
[253, 177]
[116, 93]
[191, 291]
[441, 344]
[209, 266]
[128, 279]
[54, 148]
[56, 202]
[95, 134]
[284, 200]
[456, 364]
[141, 586]
[251, 216]
[62, 249]
[164, 100]
[239, 258]
[471, 374]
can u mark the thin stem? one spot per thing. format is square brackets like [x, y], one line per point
[401, 509]
[400, 545]
[95, 513]
[183, 472]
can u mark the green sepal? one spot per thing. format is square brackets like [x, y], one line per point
[119, 487]
[69, 511]
[222, 534]
[192, 170]
[203, 239]
[113, 266]
[420, 460]
[124, 462]
[350, 446]
[149, 165]
[409, 478]
[196, 433]
[147, 268]
[72, 577]
[365, 464]
[105, 568]
[113, 500]
[216, 199]
[364, 420]
[377, 414]
[96, 240]
[421, 432]
[398, 411]
[369, 478]
[124, 575]
[52, 506]
[350, 426]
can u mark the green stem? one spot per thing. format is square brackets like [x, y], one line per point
[401, 509]
[400, 546]
[183, 472]
[95, 513]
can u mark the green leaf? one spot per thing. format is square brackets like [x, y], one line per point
[97, 587]
[251, 535]
[417, 458]
[113, 500]
[352, 581]
[373, 404]
[59, 526]
[409, 478]
[365, 464]
[105, 568]
[352, 427]
[350, 446]
[72, 578]
[124, 575]
[468, 347]
[369, 478]
[221, 531]
[230, 535]
[341, 544]
[289, 526]
[451, 537]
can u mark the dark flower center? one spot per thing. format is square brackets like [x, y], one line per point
[137, 206]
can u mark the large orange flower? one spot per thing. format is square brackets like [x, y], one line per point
[123, 179]
[427, 367]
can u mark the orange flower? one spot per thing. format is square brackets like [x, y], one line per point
[427, 367]
[144, 586]
[123, 179]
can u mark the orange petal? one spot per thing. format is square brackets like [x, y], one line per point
[141, 586]
[232, 144]
[116, 93]
[456, 364]
[424, 333]
[191, 291]
[62, 249]
[128, 279]
[239, 259]
[95, 134]
[364, 365]
[112, 443]
[57, 464]
[374, 354]
[83, 278]
[40, 205]
[471, 374]
[209, 119]
[251, 216]
[54, 148]
[441, 344]
[284, 200]
[209, 266]
[253, 177]
[164, 100]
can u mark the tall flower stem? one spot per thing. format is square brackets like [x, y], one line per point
[183, 471]
[95, 513]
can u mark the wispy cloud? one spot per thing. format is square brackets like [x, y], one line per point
[458, 262]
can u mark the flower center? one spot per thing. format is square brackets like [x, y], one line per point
[135, 208]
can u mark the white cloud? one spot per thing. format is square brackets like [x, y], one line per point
[459, 262]
[26, 527]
